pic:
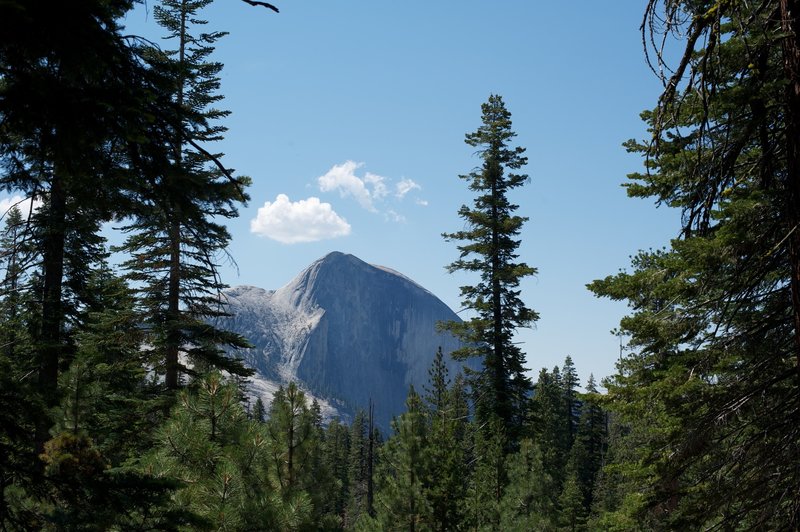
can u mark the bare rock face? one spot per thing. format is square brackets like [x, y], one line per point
[347, 331]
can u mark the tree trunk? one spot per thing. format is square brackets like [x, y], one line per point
[501, 407]
[12, 278]
[173, 307]
[290, 436]
[790, 25]
[173, 291]
[370, 459]
[52, 308]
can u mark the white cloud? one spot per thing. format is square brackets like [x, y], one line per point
[366, 191]
[379, 190]
[291, 222]
[369, 190]
[404, 187]
[394, 216]
[23, 204]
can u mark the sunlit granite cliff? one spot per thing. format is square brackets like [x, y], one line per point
[347, 331]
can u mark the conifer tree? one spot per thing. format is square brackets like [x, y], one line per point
[221, 459]
[16, 257]
[87, 129]
[571, 502]
[402, 497]
[176, 239]
[323, 489]
[448, 413]
[529, 501]
[77, 103]
[620, 486]
[106, 394]
[293, 440]
[489, 248]
[16, 350]
[436, 390]
[592, 437]
[712, 370]
[357, 469]
[86, 494]
[489, 476]
[20, 404]
[550, 423]
[336, 454]
[570, 383]
[110, 410]
[259, 411]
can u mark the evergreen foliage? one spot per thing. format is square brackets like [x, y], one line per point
[592, 441]
[710, 384]
[17, 255]
[550, 423]
[85, 124]
[569, 385]
[292, 436]
[490, 249]
[528, 502]
[573, 511]
[220, 458]
[20, 406]
[403, 502]
[105, 391]
[176, 237]
[357, 469]
[259, 412]
[699, 428]
[448, 419]
[489, 476]
[619, 484]
[336, 453]
[76, 103]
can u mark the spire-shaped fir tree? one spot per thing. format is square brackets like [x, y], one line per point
[176, 240]
[489, 245]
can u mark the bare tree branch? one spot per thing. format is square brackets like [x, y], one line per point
[263, 4]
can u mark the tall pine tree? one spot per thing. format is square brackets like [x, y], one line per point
[489, 247]
[176, 240]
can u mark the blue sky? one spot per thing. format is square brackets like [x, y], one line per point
[350, 118]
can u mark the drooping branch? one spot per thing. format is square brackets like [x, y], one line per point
[262, 4]
[216, 162]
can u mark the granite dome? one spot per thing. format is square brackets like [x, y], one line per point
[347, 331]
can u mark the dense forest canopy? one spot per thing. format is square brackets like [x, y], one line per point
[120, 409]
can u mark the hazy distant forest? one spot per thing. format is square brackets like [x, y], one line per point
[119, 409]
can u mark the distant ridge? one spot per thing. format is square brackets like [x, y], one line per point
[347, 331]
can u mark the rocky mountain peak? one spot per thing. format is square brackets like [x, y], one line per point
[346, 330]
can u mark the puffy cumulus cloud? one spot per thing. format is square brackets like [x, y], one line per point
[404, 186]
[366, 190]
[291, 222]
[23, 204]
